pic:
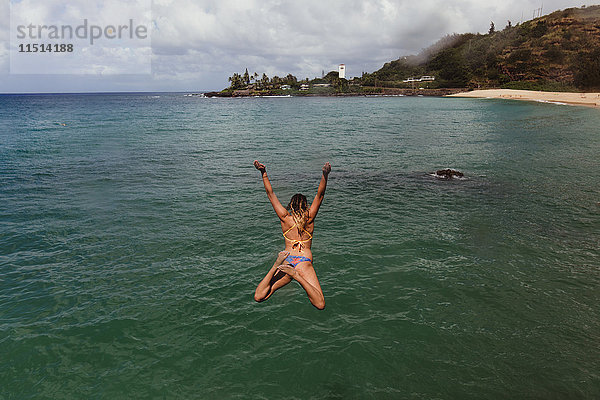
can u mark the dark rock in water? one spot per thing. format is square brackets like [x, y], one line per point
[448, 174]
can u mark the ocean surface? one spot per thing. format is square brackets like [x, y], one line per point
[133, 237]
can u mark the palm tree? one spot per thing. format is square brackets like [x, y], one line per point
[236, 81]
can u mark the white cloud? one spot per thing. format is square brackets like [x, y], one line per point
[203, 42]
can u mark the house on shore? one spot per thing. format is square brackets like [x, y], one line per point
[421, 79]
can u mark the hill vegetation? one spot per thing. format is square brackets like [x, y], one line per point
[559, 51]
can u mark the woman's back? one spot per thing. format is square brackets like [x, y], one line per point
[298, 239]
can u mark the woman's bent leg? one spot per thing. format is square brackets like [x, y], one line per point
[307, 278]
[274, 280]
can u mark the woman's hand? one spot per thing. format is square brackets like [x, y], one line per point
[288, 270]
[261, 167]
[326, 169]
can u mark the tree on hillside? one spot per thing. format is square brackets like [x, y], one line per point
[291, 80]
[539, 30]
[339, 84]
[331, 76]
[451, 67]
[587, 69]
[492, 28]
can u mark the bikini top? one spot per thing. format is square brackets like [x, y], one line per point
[298, 243]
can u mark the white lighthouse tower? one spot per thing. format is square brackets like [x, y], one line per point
[342, 71]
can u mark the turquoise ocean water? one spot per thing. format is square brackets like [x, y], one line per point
[131, 241]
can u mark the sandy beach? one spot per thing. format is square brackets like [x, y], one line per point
[579, 99]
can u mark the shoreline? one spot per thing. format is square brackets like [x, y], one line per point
[568, 98]
[380, 92]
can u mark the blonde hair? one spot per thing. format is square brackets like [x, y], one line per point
[298, 209]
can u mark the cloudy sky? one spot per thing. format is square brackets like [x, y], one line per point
[197, 44]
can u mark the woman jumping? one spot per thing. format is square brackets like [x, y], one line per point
[297, 225]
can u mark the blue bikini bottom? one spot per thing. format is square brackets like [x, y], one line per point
[295, 260]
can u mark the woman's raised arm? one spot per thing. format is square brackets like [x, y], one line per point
[314, 207]
[279, 209]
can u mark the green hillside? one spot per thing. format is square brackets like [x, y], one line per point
[559, 51]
